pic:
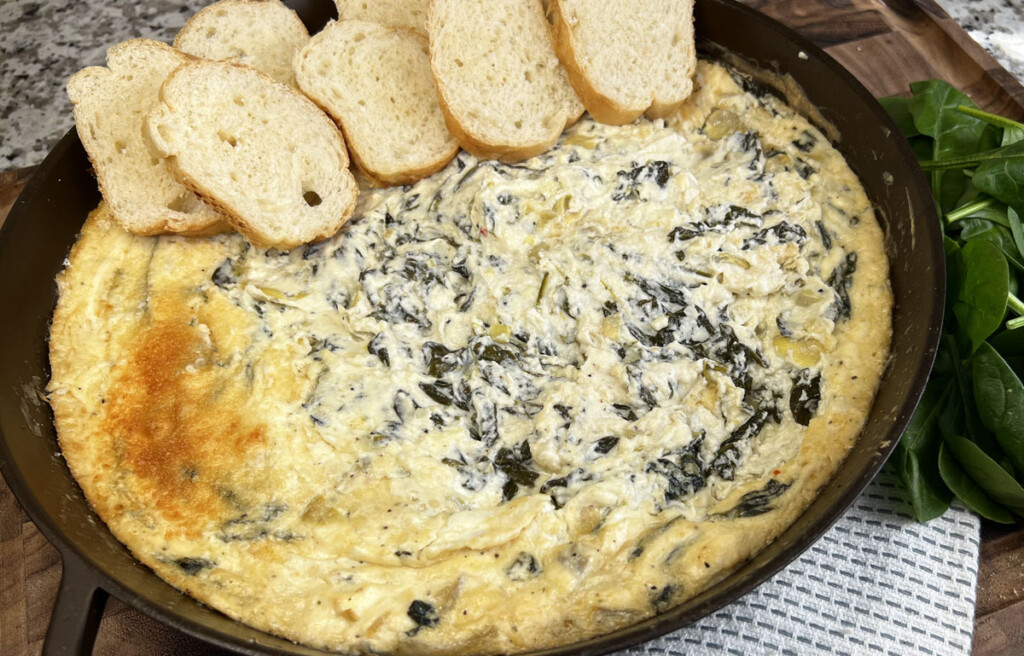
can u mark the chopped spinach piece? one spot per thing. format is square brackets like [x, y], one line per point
[484, 423]
[683, 471]
[376, 347]
[440, 391]
[662, 600]
[805, 142]
[805, 396]
[460, 268]
[728, 458]
[424, 615]
[840, 281]
[758, 502]
[606, 444]
[624, 411]
[524, 567]
[224, 275]
[783, 232]
[631, 181]
[440, 359]
[515, 465]
[192, 566]
[826, 238]
[493, 353]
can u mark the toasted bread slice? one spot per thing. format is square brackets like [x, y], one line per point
[410, 14]
[110, 106]
[625, 59]
[501, 87]
[375, 81]
[263, 34]
[258, 150]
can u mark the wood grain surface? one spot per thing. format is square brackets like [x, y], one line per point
[887, 44]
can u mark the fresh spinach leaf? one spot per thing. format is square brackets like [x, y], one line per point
[968, 491]
[917, 454]
[981, 302]
[928, 498]
[1003, 178]
[995, 233]
[922, 434]
[898, 108]
[999, 396]
[1016, 229]
[934, 109]
[1012, 130]
[955, 267]
[967, 435]
[922, 147]
[959, 416]
[987, 473]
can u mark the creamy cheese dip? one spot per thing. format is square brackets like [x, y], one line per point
[507, 407]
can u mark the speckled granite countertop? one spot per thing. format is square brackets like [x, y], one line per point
[43, 42]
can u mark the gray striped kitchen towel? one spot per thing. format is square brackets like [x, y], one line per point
[875, 583]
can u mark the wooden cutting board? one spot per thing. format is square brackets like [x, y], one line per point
[887, 44]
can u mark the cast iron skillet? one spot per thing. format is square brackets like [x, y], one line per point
[46, 218]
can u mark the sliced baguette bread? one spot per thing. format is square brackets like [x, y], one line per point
[376, 83]
[110, 107]
[258, 150]
[263, 34]
[410, 14]
[501, 87]
[626, 58]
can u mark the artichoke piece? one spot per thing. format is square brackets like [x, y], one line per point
[721, 123]
[802, 353]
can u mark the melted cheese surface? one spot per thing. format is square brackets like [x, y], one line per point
[508, 407]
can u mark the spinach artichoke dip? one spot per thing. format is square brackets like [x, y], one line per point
[507, 407]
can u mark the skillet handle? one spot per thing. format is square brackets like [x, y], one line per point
[77, 613]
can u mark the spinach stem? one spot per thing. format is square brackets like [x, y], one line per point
[969, 209]
[1015, 303]
[1015, 323]
[967, 161]
[998, 121]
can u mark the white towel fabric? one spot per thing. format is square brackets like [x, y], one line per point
[875, 583]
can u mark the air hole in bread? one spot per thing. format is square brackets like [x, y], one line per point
[358, 37]
[210, 32]
[528, 76]
[312, 198]
[239, 101]
[182, 203]
[120, 146]
[458, 62]
[227, 138]
[519, 124]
